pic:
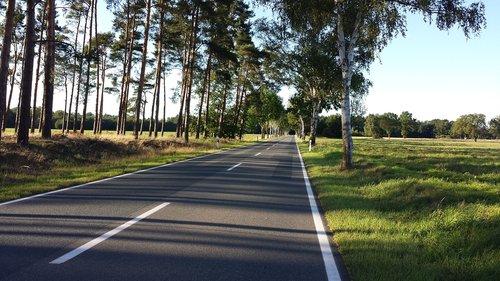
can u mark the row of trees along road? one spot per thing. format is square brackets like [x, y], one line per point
[356, 30]
[210, 42]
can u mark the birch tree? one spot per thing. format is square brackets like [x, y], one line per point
[362, 28]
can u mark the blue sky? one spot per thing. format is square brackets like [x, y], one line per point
[439, 74]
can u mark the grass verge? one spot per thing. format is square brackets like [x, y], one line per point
[46, 165]
[412, 209]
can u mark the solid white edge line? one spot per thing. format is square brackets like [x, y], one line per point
[234, 167]
[115, 177]
[332, 271]
[66, 257]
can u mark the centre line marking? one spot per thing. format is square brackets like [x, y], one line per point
[109, 234]
[234, 166]
[258, 154]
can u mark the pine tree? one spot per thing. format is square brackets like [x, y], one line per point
[5, 57]
[49, 69]
[29, 49]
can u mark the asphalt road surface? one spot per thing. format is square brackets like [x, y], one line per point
[243, 214]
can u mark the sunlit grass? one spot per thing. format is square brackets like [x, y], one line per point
[412, 209]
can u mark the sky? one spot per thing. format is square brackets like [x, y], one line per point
[439, 74]
[432, 74]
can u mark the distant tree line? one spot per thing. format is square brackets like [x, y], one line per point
[469, 126]
[266, 119]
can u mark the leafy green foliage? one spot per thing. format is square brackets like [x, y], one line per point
[372, 126]
[469, 126]
[389, 123]
[408, 124]
[495, 127]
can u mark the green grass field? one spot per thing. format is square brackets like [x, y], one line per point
[412, 209]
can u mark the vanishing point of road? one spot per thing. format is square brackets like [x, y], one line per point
[242, 214]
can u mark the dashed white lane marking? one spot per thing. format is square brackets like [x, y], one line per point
[109, 234]
[332, 271]
[234, 166]
[258, 154]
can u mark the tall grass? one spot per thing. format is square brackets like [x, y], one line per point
[412, 209]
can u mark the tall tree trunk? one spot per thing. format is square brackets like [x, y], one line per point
[37, 77]
[49, 69]
[29, 49]
[18, 113]
[158, 90]
[346, 54]
[143, 110]
[5, 58]
[138, 101]
[223, 110]
[314, 121]
[302, 128]
[185, 59]
[207, 106]
[42, 114]
[203, 90]
[239, 103]
[243, 119]
[157, 106]
[80, 70]
[153, 104]
[124, 72]
[12, 83]
[164, 102]
[240, 91]
[128, 77]
[178, 129]
[75, 46]
[87, 82]
[101, 107]
[97, 77]
[65, 102]
[95, 126]
[192, 58]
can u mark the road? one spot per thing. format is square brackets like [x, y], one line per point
[242, 214]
